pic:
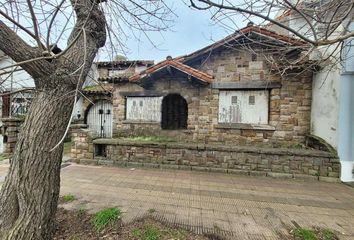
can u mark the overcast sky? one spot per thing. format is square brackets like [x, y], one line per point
[192, 30]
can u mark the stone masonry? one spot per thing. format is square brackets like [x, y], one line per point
[10, 130]
[289, 105]
[298, 163]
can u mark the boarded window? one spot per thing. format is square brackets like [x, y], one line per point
[144, 109]
[244, 106]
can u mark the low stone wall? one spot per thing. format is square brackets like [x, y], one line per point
[10, 129]
[290, 163]
[81, 142]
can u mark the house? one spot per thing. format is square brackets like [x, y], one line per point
[96, 108]
[239, 105]
[222, 93]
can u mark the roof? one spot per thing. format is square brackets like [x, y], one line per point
[176, 64]
[101, 89]
[179, 63]
[279, 38]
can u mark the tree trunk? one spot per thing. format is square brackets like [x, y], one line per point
[30, 192]
[29, 196]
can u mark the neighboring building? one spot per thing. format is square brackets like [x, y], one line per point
[96, 108]
[14, 79]
[332, 111]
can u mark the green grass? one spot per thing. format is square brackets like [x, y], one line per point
[105, 217]
[149, 232]
[81, 210]
[327, 234]
[305, 234]
[68, 198]
[150, 139]
[151, 210]
[314, 234]
[4, 156]
[67, 148]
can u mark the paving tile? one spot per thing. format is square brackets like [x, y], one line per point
[241, 207]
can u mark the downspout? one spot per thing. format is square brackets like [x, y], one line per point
[346, 113]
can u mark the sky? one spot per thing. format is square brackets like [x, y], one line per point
[192, 30]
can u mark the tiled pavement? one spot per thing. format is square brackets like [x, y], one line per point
[240, 207]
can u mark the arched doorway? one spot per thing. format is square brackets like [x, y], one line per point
[174, 112]
[99, 118]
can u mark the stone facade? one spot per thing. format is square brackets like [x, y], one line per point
[10, 129]
[82, 142]
[289, 105]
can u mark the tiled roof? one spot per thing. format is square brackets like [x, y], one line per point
[272, 34]
[177, 64]
[242, 33]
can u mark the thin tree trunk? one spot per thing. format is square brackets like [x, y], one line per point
[30, 193]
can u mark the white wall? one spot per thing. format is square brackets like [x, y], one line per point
[19, 79]
[325, 105]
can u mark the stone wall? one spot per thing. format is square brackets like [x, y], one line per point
[10, 129]
[81, 142]
[291, 163]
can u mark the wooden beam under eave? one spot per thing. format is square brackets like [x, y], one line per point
[246, 85]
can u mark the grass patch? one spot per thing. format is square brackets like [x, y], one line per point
[149, 232]
[81, 210]
[4, 156]
[314, 234]
[305, 234]
[68, 198]
[328, 234]
[161, 139]
[67, 148]
[105, 217]
[151, 210]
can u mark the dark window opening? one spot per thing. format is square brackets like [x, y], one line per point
[251, 100]
[174, 112]
[4, 139]
[100, 150]
[254, 57]
[234, 100]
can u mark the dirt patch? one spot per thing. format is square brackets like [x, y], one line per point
[76, 225]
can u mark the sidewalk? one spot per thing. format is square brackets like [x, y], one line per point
[236, 206]
[241, 207]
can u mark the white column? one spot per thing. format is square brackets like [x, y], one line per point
[346, 113]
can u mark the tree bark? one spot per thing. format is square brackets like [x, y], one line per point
[29, 195]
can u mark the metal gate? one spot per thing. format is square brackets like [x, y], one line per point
[99, 119]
